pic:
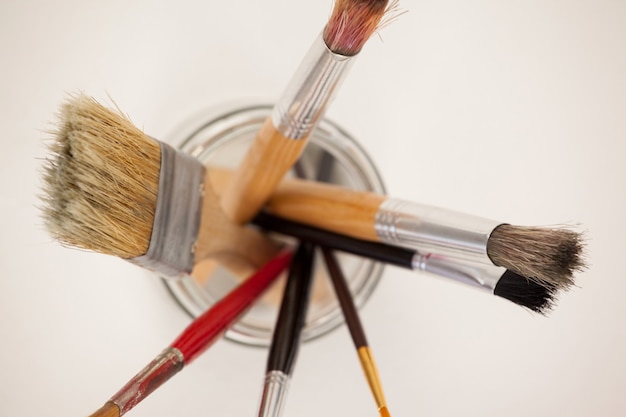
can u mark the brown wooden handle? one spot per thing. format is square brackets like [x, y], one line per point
[326, 206]
[268, 159]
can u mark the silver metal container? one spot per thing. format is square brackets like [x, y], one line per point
[220, 137]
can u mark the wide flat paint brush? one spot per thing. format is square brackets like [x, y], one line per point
[112, 189]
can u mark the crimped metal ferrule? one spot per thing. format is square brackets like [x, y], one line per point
[310, 90]
[466, 272]
[274, 393]
[431, 229]
[177, 216]
[162, 368]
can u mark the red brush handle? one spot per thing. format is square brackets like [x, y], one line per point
[204, 330]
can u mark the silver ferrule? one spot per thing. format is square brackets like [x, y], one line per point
[465, 272]
[431, 229]
[177, 215]
[162, 368]
[310, 90]
[274, 394]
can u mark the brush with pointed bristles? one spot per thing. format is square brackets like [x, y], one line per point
[493, 279]
[284, 135]
[356, 330]
[112, 189]
[324, 170]
[195, 339]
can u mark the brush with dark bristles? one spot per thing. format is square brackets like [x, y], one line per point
[110, 188]
[283, 136]
[496, 280]
[356, 330]
[195, 339]
[287, 332]
[549, 256]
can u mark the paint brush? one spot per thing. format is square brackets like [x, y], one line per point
[324, 169]
[493, 279]
[112, 189]
[549, 255]
[287, 332]
[195, 339]
[356, 330]
[284, 135]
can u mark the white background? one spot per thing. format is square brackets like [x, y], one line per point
[513, 110]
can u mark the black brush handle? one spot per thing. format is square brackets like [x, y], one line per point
[345, 298]
[292, 314]
[381, 252]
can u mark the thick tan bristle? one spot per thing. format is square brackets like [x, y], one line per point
[107, 410]
[352, 23]
[549, 256]
[101, 183]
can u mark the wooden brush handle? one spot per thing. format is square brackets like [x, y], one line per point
[238, 247]
[293, 309]
[326, 206]
[270, 156]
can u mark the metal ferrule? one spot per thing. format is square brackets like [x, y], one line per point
[162, 368]
[310, 90]
[177, 216]
[431, 229]
[470, 273]
[274, 393]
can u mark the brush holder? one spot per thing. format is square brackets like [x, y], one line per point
[220, 137]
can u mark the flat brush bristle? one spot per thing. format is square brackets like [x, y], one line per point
[101, 182]
[525, 292]
[352, 23]
[549, 256]
[107, 410]
[384, 412]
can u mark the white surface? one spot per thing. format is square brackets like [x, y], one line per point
[513, 110]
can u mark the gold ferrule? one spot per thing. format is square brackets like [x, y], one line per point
[371, 374]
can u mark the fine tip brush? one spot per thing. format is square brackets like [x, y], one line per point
[284, 134]
[287, 332]
[356, 330]
[195, 339]
[324, 169]
[550, 256]
[496, 280]
[110, 188]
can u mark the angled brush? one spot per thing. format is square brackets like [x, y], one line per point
[195, 339]
[284, 135]
[112, 189]
[287, 332]
[496, 280]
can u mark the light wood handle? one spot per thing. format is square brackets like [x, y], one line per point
[268, 159]
[326, 206]
[239, 248]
